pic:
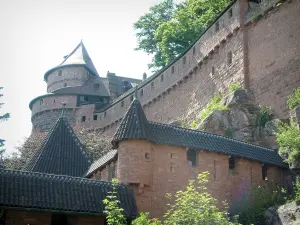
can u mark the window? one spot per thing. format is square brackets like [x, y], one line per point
[229, 58]
[194, 50]
[104, 114]
[230, 13]
[217, 27]
[96, 87]
[147, 155]
[59, 72]
[172, 69]
[142, 93]
[53, 100]
[111, 171]
[122, 104]
[192, 157]
[83, 119]
[95, 117]
[184, 60]
[152, 85]
[131, 98]
[213, 70]
[41, 101]
[231, 161]
[264, 170]
[162, 78]
[65, 84]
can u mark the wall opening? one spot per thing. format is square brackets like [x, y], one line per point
[142, 93]
[231, 162]
[230, 13]
[95, 117]
[192, 157]
[264, 171]
[217, 26]
[184, 60]
[172, 69]
[162, 78]
[83, 118]
[229, 58]
[122, 104]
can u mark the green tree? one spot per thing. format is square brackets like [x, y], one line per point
[3, 117]
[114, 213]
[172, 34]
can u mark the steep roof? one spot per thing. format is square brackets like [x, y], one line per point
[132, 127]
[38, 191]
[102, 161]
[79, 56]
[134, 124]
[60, 153]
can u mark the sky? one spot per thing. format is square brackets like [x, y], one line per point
[36, 34]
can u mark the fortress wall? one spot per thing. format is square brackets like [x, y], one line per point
[274, 55]
[209, 51]
[70, 76]
[53, 102]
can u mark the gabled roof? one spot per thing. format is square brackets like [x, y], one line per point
[79, 56]
[38, 191]
[134, 124]
[102, 161]
[60, 153]
[159, 133]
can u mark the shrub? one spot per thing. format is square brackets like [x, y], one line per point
[265, 115]
[234, 86]
[144, 220]
[288, 138]
[294, 99]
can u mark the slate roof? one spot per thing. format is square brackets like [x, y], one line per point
[87, 88]
[135, 125]
[100, 162]
[60, 153]
[79, 56]
[48, 192]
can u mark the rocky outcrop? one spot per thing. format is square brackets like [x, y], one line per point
[288, 214]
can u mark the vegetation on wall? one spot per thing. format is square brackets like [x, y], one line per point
[294, 99]
[265, 115]
[193, 205]
[234, 86]
[214, 104]
[168, 29]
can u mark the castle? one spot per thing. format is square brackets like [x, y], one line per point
[255, 44]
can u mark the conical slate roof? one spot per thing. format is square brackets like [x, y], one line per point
[134, 124]
[60, 153]
[79, 56]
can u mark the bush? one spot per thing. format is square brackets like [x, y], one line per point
[234, 86]
[288, 138]
[294, 99]
[144, 220]
[265, 115]
[252, 208]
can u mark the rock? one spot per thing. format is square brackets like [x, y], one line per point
[288, 214]
[238, 97]
[176, 123]
[217, 121]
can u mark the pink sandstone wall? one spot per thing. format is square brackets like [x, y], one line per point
[274, 54]
[170, 172]
[70, 76]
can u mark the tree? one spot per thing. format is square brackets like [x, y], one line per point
[3, 117]
[170, 37]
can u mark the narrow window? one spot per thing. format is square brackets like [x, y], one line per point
[231, 161]
[213, 70]
[65, 84]
[172, 69]
[59, 72]
[104, 114]
[217, 27]
[83, 119]
[162, 78]
[142, 93]
[229, 58]
[194, 50]
[192, 157]
[111, 171]
[41, 101]
[147, 155]
[95, 117]
[131, 98]
[53, 100]
[152, 85]
[264, 170]
[230, 13]
[122, 104]
[184, 60]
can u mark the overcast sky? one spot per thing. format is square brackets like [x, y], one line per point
[36, 34]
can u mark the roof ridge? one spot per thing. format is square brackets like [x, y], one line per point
[217, 135]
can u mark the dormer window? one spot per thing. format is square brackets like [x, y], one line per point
[96, 87]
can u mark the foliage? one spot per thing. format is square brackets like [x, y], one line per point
[294, 99]
[265, 115]
[214, 104]
[297, 190]
[113, 211]
[288, 138]
[3, 117]
[234, 86]
[195, 205]
[143, 219]
[169, 29]
[251, 209]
